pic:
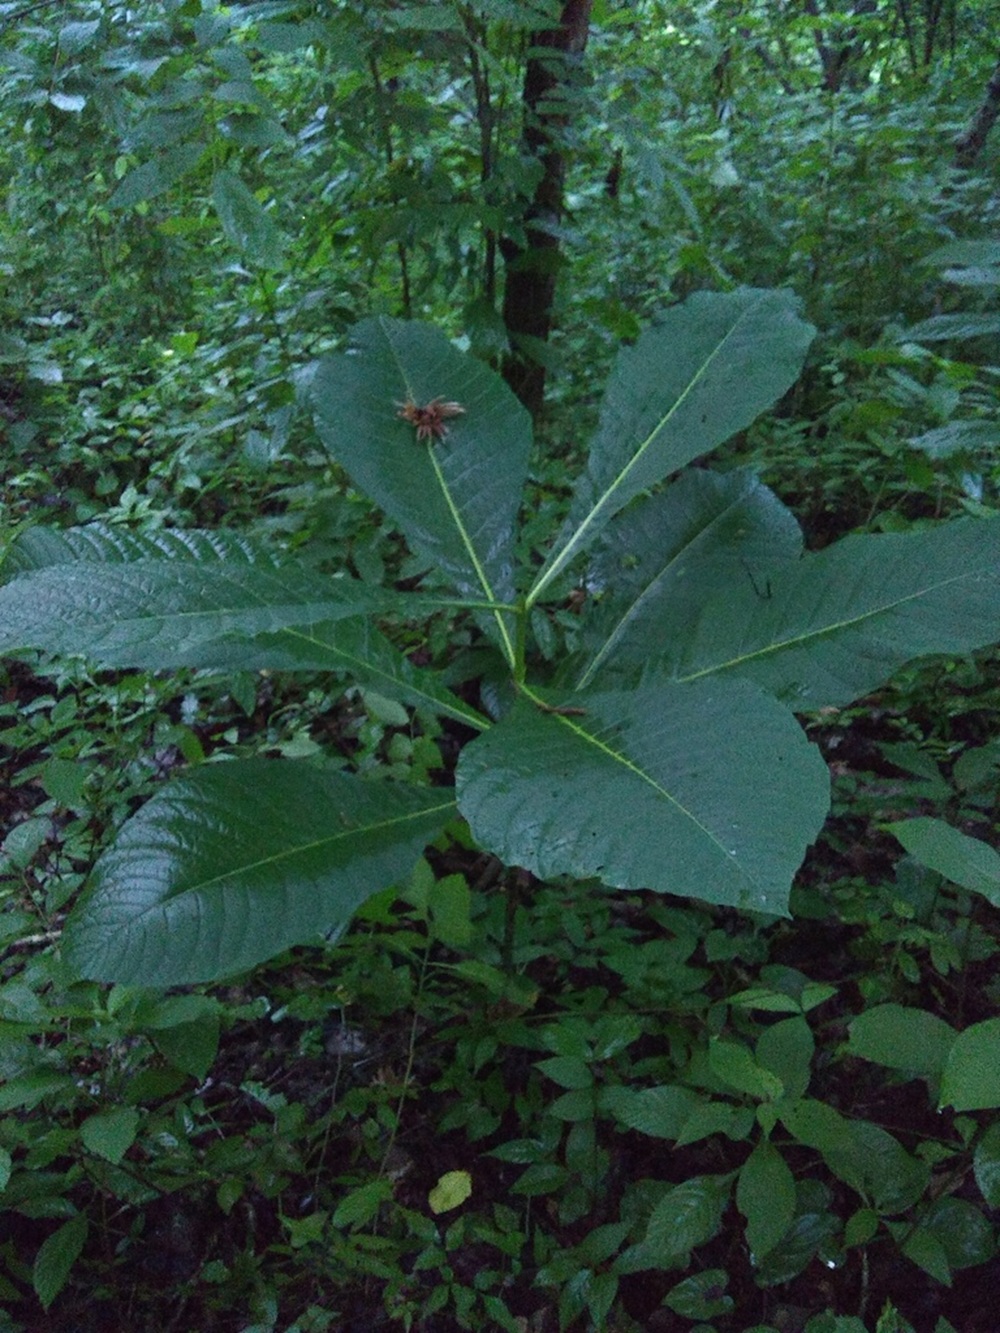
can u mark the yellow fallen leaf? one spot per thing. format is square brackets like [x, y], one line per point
[453, 1188]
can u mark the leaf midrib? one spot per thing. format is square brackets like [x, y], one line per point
[562, 558]
[613, 754]
[456, 517]
[654, 584]
[302, 849]
[825, 631]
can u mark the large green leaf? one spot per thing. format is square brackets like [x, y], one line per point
[456, 498]
[705, 371]
[355, 647]
[661, 560]
[207, 599]
[163, 613]
[685, 789]
[237, 861]
[832, 626]
[99, 543]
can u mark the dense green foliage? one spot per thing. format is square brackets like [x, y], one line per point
[331, 736]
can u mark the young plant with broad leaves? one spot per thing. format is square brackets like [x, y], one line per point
[663, 753]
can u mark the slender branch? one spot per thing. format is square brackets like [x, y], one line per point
[475, 36]
[387, 147]
[19, 14]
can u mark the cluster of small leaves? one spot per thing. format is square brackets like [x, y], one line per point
[438, 1117]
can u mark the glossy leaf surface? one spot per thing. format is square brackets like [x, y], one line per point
[701, 790]
[233, 863]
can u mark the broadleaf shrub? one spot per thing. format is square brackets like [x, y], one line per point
[659, 750]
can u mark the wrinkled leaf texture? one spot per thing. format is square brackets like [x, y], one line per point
[234, 862]
[166, 612]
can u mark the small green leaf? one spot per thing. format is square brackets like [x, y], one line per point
[56, 1256]
[765, 1195]
[599, 1245]
[64, 780]
[542, 1178]
[688, 1215]
[27, 1090]
[613, 1033]
[360, 1205]
[966, 861]
[452, 1189]
[702, 1296]
[179, 1010]
[771, 1001]
[156, 176]
[190, 1047]
[6, 1166]
[110, 1134]
[450, 904]
[860, 1227]
[912, 1040]
[971, 1080]
[567, 1071]
[248, 226]
[879, 1168]
[815, 993]
[577, 1104]
[817, 1125]
[709, 1118]
[965, 1234]
[387, 711]
[986, 1164]
[659, 1112]
[786, 1048]
[735, 1066]
[926, 1250]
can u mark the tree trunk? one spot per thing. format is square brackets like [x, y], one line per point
[971, 143]
[841, 51]
[530, 288]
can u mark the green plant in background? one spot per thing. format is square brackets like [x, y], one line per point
[661, 752]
